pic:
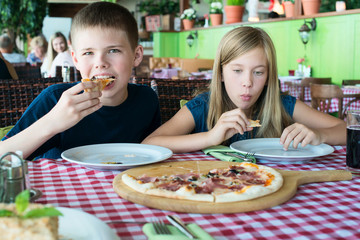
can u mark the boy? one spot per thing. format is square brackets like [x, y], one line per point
[104, 40]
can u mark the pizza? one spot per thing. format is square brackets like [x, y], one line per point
[238, 182]
[101, 83]
[254, 123]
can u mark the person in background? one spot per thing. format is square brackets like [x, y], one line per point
[38, 50]
[7, 70]
[57, 45]
[245, 86]
[105, 44]
[7, 47]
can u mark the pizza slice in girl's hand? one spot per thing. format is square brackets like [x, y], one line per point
[254, 123]
[101, 83]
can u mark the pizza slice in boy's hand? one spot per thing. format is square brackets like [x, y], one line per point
[254, 123]
[101, 83]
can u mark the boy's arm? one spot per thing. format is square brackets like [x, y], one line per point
[71, 108]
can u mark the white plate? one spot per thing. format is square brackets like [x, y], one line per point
[79, 225]
[270, 149]
[128, 154]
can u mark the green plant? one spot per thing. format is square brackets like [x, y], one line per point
[21, 205]
[329, 5]
[293, 1]
[151, 7]
[22, 17]
[189, 14]
[216, 8]
[235, 2]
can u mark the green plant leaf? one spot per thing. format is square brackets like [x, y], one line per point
[42, 212]
[22, 201]
[6, 213]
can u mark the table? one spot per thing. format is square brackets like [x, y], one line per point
[353, 106]
[328, 210]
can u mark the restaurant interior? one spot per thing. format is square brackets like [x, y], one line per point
[318, 59]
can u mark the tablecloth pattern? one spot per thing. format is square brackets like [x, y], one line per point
[328, 210]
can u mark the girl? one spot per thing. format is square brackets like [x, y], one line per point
[245, 86]
[57, 46]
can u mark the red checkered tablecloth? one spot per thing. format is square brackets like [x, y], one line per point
[327, 210]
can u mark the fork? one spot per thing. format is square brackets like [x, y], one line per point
[160, 227]
[249, 155]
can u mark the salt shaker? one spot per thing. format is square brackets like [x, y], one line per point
[65, 72]
[12, 177]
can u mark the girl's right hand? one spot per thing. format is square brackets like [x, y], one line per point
[229, 124]
[72, 106]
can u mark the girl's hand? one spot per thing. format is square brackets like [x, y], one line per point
[299, 133]
[72, 106]
[230, 123]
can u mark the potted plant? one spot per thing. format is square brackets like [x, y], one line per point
[289, 7]
[216, 13]
[311, 7]
[234, 11]
[188, 18]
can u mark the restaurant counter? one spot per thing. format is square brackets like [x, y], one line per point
[326, 210]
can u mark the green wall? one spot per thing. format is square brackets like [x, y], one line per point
[333, 49]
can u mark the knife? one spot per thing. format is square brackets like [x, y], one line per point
[174, 220]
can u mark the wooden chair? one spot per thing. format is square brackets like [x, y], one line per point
[16, 96]
[350, 82]
[322, 94]
[305, 82]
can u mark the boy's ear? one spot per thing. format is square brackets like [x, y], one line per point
[74, 58]
[139, 53]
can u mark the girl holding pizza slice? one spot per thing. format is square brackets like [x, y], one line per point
[245, 86]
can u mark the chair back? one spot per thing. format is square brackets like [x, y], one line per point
[306, 81]
[27, 71]
[16, 96]
[348, 82]
[170, 92]
[322, 94]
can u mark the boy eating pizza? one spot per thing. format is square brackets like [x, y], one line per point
[105, 45]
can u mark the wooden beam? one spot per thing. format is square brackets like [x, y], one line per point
[65, 9]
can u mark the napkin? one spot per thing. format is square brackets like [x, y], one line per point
[218, 152]
[176, 234]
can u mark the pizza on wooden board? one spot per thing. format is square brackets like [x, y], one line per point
[101, 83]
[238, 182]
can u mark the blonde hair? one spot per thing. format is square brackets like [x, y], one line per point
[51, 53]
[268, 108]
[39, 41]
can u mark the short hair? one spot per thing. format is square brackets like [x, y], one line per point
[5, 41]
[39, 41]
[106, 15]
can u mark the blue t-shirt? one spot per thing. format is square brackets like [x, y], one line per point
[199, 108]
[129, 122]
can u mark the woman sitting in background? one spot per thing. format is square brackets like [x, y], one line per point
[58, 45]
[39, 47]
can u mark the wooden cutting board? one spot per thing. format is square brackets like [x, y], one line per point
[292, 179]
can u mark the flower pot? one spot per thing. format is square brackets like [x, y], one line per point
[311, 7]
[289, 8]
[216, 19]
[234, 14]
[188, 24]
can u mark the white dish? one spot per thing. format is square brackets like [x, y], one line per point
[270, 149]
[124, 155]
[79, 225]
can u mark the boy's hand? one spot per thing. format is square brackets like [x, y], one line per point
[230, 123]
[299, 133]
[73, 106]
